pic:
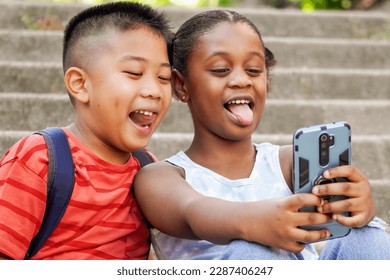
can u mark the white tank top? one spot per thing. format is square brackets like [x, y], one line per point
[266, 181]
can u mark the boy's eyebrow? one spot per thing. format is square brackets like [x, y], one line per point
[142, 59]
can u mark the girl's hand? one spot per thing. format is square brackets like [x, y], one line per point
[279, 224]
[358, 190]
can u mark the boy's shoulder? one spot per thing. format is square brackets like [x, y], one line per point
[29, 149]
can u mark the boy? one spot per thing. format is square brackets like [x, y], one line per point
[117, 74]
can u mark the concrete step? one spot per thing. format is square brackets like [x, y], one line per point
[31, 45]
[37, 15]
[321, 83]
[370, 154]
[370, 117]
[291, 83]
[319, 24]
[272, 22]
[31, 77]
[330, 53]
[46, 46]
[34, 111]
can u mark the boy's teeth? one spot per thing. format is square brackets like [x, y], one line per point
[146, 113]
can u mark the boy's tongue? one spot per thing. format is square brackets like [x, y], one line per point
[242, 112]
[141, 119]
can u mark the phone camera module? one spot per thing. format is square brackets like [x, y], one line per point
[324, 149]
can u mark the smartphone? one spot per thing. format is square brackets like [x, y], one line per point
[317, 148]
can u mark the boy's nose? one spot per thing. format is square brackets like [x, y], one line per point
[151, 90]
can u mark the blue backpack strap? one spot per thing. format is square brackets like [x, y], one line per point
[60, 182]
[143, 157]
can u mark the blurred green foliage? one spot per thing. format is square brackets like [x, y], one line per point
[158, 3]
[306, 5]
[310, 5]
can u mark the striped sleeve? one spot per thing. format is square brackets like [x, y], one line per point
[23, 172]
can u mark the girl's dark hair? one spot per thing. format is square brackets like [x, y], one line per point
[185, 39]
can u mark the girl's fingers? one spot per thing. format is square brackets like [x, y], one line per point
[297, 201]
[348, 171]
[343, 188]
[354, 221]
[312, 218]
[344, 205]
[309, 236]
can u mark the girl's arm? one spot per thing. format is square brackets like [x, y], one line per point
[173, 207]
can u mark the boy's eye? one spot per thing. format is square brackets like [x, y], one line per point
[165, 78]
[135, 74]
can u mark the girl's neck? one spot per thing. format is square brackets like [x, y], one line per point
[231, 159]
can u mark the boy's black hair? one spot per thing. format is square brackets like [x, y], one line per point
[120, 16]
[185, 39]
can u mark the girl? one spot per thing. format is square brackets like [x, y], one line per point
[238, 189]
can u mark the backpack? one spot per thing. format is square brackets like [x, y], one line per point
[60, 182]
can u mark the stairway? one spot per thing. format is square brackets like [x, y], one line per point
[331, 66]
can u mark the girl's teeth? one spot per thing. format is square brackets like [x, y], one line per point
[239, 102]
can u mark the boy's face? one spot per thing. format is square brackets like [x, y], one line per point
[227, 81]
[129, 90]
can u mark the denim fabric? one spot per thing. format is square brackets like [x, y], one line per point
[371, 242]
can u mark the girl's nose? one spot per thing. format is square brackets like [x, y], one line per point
[240, 79]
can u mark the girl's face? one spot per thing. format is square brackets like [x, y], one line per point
[226, 81]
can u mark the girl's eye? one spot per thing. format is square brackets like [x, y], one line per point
[254, 71]
[220, 71]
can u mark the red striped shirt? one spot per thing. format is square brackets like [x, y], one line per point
[102, 220]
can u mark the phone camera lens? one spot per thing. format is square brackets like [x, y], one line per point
[324, 137]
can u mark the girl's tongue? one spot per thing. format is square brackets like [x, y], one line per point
[242, 112]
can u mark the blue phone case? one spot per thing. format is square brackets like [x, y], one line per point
[317, 148]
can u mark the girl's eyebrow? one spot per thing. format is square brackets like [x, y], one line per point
[141, 59]
[222, 53]
[259, 54]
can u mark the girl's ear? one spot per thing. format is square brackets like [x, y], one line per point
[268, 86]
[75, 80]
[178, 86]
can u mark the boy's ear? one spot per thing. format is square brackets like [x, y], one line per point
[178, 86]
[74, 79]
